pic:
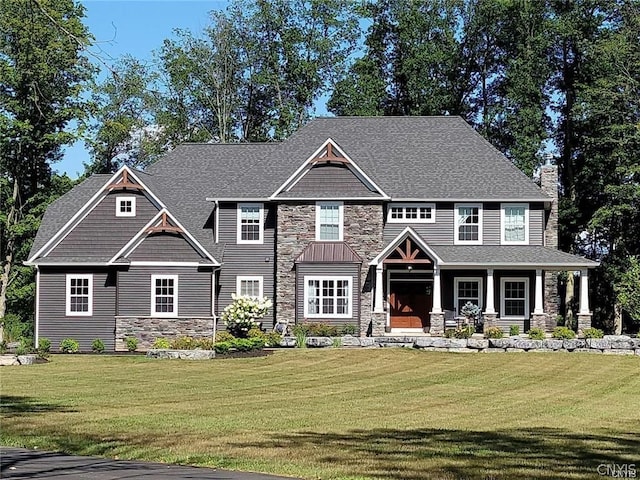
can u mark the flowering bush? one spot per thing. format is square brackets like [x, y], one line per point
[243, 314]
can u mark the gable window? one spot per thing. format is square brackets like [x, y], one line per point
[515, 223]
[164, 295]
[250, 222]
[327, 297]
[329, 221]
[125, 206]
[411, 213]
[249, 286]
[515, 298]
[468, 224]
[79, 295]
[467, 289]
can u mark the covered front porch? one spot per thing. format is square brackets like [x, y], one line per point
[421, 288]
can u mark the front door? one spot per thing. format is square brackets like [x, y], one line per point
[410, 304]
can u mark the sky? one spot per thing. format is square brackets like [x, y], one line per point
[137, 28]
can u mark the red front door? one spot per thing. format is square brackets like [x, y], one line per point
[410, 304]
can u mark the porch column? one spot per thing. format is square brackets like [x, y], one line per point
[437, 300]
[584, 293]
[378, 300]
[490, 307]
[538, 308]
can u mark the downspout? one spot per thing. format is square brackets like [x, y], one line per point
[216, 207]
[37, 319]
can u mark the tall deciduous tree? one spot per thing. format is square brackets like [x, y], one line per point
[41, 75]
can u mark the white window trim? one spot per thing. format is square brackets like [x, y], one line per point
[241, 278]
[260, 224]
[120, 200]
[456, 239]
[503, 240]
[349, 313]
[457, 280]
[153, 296]
[503, 280]
[68, 311]
[404, 206]
[340, 220]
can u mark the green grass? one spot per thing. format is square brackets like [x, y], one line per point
[337, 413]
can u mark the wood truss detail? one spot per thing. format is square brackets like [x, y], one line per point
[329, 156]
[164, 227]
[126, 183]
[408, 254]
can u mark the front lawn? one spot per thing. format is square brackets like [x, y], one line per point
[336, 413]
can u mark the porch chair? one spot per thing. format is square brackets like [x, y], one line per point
[450, 319]
[282, 327]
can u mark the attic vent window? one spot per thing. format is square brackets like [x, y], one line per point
[125, 206]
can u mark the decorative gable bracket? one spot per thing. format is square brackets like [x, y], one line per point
[125, 183]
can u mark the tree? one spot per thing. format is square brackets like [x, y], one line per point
[41, 75]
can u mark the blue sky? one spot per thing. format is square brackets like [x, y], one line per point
[136, 28]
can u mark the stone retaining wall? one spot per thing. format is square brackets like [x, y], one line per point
[609, 345]
[147, 329]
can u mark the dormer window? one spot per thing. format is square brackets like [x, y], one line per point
[125, 206]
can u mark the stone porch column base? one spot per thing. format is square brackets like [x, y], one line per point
[378, 323]
[584, 322]
[539, 320]
[437, 324]
[490, 320]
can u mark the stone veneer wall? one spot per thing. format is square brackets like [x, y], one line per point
[549, 186]
[363, 225]
[147, 329]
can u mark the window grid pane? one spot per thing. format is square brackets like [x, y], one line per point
[468, 223]
[79, 294]
[514, 298]
[514, 224]
[164, 295]
[328, 297]
[329, 224]
[250, 223]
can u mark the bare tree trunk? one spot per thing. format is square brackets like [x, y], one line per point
[568, 300]
[617, 318]
[8, 259]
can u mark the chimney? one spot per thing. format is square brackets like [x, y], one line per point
[549, 186]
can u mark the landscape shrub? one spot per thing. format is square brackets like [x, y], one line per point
[243, 314]
[69, 345]
[161, 343]
[222, 347]
[204, 343]
[559, 320]
[15, 328]
[183, 343]
[131, 343]
[224, 336]
[514, 330]
[563, 333]
[536, 333]
[493, 332]
[312, 329]
[464, 331]
[97, 346]
[593, 333]
[450, 333]
[336, 342]
[243, 344]
[273, 339]
[25, 346]
[3, 347]
[44, 347]
[348, 329]
[257, 342]
[255, 332]
[301, 337]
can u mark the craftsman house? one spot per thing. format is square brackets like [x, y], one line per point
[389, 224]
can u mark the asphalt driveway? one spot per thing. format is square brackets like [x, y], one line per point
[20, 463]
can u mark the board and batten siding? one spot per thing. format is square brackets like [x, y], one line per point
[245, 259]
[194, 291]
[101, 233]
[54, 324]
[329, 270]
[168, 247]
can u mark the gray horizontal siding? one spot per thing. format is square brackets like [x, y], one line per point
[536, 224]
[328, 269]
[438, 233]
[101, 233]
[329, 181]
[491, 224]
[56, 326]
[245, 259]
[194, 291]
[167, 247]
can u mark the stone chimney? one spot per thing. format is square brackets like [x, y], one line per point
[549, 186]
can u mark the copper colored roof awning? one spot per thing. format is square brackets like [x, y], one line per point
[328, 252]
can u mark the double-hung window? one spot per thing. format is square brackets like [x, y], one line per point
[164, 295]
[468, 224]
[515, 298]
[329, 221]
[468, 289]
[79, 295]
[250, 222]
[327, 297]
[411, 213]
[125, 206]
[249, 286]
[515, 223]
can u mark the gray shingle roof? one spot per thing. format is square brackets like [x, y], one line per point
[509, 255]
